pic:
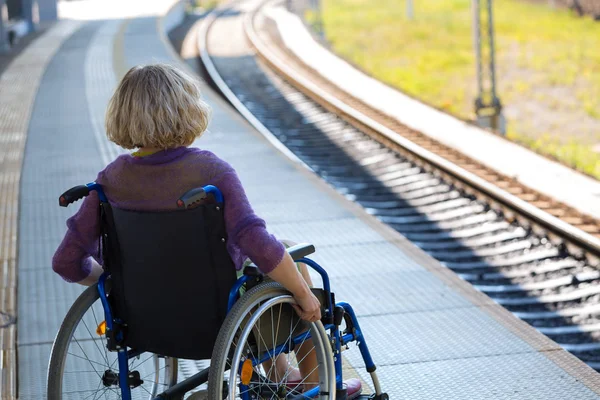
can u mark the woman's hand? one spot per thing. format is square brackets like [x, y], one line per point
[287, 274]
[308, 307]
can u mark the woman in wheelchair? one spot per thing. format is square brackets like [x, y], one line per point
[158, 239]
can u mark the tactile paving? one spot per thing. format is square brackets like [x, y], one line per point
[33, 371]
[396, 292]
[188, 368]
[324, 233]
[429, 341]
[295, 190]
[528, 376]
[292, 211]
[141, 34]
[436, 335]
[44, 305]
[59, 154]
[85, 381]
[37, 254]
[349, 260]
[247, 156]
[100, 82]
[18, 84]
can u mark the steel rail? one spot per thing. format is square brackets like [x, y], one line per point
[477, 272]
[427, 159]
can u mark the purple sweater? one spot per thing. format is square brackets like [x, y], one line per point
[154, 183]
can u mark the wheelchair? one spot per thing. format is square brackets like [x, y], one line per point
[170, 291]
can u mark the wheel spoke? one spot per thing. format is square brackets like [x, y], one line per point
[96, 344]
[304, 380]
[87, 359]
[274, 335]
[244, 328]
[98, 390]
[79, 331]
[147, 391]
[103, 344]
[79, 372]
[137, 366]
[153, 372]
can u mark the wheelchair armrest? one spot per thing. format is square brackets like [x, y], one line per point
[301, 250]
[251, 270]
[297, 252]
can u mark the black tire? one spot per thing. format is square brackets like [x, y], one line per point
[90, 300]
[239, 315]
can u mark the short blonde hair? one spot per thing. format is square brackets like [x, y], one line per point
[156, 106]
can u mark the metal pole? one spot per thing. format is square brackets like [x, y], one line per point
[497, 118]
[48, 10]
[410, 10]
[4, 47]
[487, 104]
[15, 8]
[492, 48]
[319, 18]
[475, 6]
[28, 14]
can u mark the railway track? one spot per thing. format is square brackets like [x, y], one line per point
[531, 254]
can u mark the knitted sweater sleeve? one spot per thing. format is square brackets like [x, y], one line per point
[72, 258]
[245, 229]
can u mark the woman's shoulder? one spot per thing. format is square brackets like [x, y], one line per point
[203, 162]
[111, 170]
[206, 158]
[116, 164]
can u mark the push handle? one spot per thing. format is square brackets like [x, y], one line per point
[79, 192]
[191, 198]
[194, 197]
[73, 194]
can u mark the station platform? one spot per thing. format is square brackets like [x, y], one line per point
[432, 335]
[525, 166]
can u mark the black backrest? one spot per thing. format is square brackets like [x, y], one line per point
[171, 276]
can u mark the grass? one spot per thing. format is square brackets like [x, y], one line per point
[548, 62]
[571, 152]
[206, 4]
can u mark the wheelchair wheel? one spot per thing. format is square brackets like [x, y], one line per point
[81, 367]
[261, 327]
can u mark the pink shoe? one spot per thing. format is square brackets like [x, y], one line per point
[353, 388]
[293, 385]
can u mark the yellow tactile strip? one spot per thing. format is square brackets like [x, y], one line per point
[18, 87]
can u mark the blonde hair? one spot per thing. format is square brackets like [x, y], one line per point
[156, 106]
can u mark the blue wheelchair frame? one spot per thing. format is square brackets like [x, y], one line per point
[356, 335]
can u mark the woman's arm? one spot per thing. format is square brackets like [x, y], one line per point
[72, 260]
[287, 274]
[244, 228]
[249, 233]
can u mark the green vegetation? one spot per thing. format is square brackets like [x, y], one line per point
[548, 65]
[577, 155]
[206, 4]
